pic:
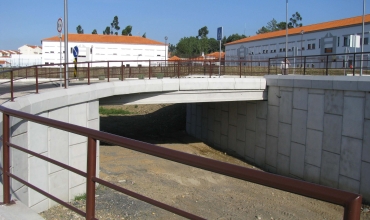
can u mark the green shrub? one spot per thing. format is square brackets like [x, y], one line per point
[112, 111]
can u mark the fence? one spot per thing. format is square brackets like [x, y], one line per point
[350, 201]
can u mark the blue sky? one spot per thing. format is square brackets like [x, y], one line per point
[30, 21]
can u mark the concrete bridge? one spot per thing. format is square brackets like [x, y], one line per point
[314, 128]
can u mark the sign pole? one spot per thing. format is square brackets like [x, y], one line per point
[219, 38]
[66, 39]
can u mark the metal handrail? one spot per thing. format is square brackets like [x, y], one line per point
[350, 201]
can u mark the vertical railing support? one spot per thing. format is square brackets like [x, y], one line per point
[327, 65]
[91, 174]
[6, 162]
[11, 87]
[88, 73]
[150, 73]
[210, 69]
[129, 72]
[65, 75]
[268, 67]
[108, 70]
[37, 81]
[240, 69]
[178, 69]
[354, 64]
[26, 73]
[304, 66]
[122, 70]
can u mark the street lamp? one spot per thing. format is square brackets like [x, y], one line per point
[66, 39]
[363, 30]
[302, 32]
[286, 30]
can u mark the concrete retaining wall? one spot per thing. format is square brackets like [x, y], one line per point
[311, 128]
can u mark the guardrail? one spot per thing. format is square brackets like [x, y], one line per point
[350, 201]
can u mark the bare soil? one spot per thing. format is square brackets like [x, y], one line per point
[209, 195]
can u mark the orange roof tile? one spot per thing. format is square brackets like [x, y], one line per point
[98, 38]
[4, 62]
[174, 58]
[216, 55]
[309, 28]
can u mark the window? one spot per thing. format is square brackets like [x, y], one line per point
[338, 41]
[310, 47]
[328, 50]
[313, 46]
[345, 41]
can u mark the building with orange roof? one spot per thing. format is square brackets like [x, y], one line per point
[30, 49]
[95, 47]
[327, 38]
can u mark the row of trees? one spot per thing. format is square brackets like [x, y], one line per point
[112, 29]
[273, 25]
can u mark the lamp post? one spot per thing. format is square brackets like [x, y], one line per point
[363, 35]
[66, 39]
[302, 32]
[165, 50]
[286, 30]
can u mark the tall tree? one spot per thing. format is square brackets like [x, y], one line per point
[127, 30]
[79, 29]
[294, 20]
[94, 31]
[188, 47]
[107, 31]
[203, 32]
[114, 25]
[144, 35]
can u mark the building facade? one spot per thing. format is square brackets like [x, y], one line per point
[94, 47]
[30, 50]
[328, 38]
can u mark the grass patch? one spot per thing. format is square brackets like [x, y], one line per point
[80, 197]
[112, 111]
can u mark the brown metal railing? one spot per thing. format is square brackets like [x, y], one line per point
[350, 201]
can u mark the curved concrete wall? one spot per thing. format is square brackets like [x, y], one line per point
[79, 105]
[314, 128]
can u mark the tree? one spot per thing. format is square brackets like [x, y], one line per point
[282, 25]
[79, 29]
[114, 25]
[171, 48]
[94, 31]
[203, 32]
[294, 21]
[213, 45]
[107, 31]
[144, 35]
[127, 31]
[188, 47]
[263, 30]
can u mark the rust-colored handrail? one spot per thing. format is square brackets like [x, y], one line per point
[350, 201]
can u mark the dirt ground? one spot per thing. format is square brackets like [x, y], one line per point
[209, 195]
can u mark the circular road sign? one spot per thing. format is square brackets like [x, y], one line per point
[59, 25]
[75, 51]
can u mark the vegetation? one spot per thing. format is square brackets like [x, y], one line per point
[80, 197]
[112, 111]
[79, 29]
[273, 25]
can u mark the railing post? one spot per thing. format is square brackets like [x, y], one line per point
[37, 81]
[240, 68]
[210, 69]
[88, 73]
[91, 174]
[11, 87]
[6, 162]
[122, 69]
[149, 70]
[26, 73]
[129, 72]
[108, 70]
[65, 75]
[327, 64]
[304, 66]
[354, 64]
[268, 67]
[178, 69]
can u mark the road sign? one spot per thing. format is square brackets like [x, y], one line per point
[60, 25]
[219, 33]
[75, 51]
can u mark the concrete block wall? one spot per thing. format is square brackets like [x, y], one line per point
[62, 146]
[312, 128]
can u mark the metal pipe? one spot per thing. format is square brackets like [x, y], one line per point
[66, 41]
[37, 80]
[11, 87]
[286, 30]
[6, 161]
[88, 73]
[91, 174]
[363, 35]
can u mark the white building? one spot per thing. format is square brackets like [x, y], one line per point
[94, 47]
[328, 38]
[30, 50]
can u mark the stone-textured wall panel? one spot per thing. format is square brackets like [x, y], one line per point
[300, 98]
[366, 143]
[260, 157]
[233, 109]
[348, 184]
[367, 106]
[242, 108]
[224, 123]
[38, 138]
[283, 165]
[240, 132]
[332, 133]
[19, 160]
[365, 181]
[284, 138]
[218, 109]
[315, 116]
[271, 151]
[77, 116]
[330, 163]
[58, 184]
[261, 130]
[78, 160]
[350, 159]
[273, 96]
[38, 177]
[232, 138]
[262, 109]
[250, 143]
[217, 134]
[334, 102]
[311, 173]
[313, 147]
[297, 160]
[285, 110]
[353, 117]
[273, 121]
[251, 116]
[240, 148]
[299, 126]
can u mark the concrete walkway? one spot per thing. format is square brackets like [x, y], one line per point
[18, 211]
